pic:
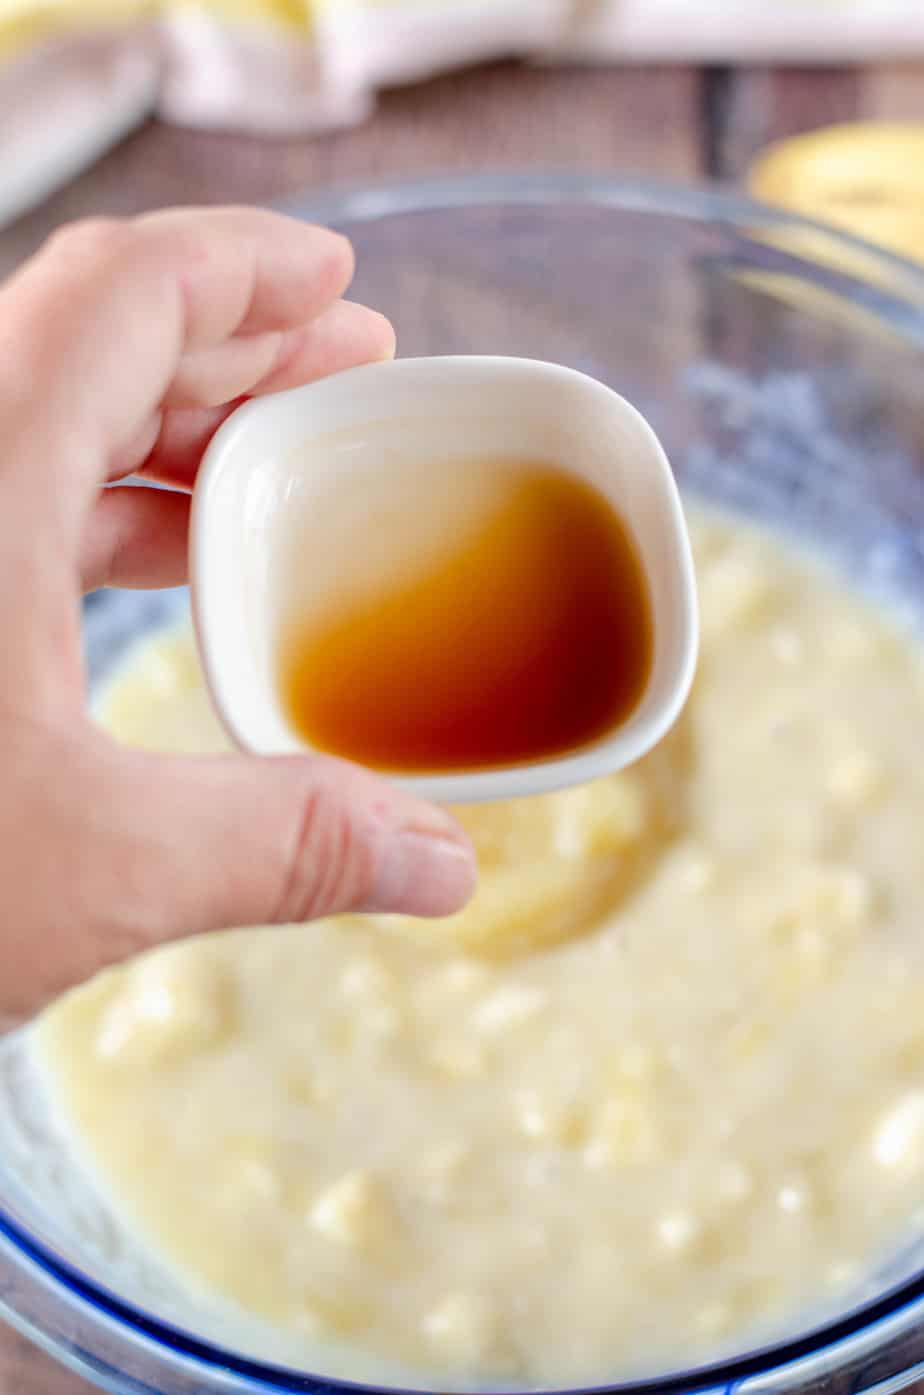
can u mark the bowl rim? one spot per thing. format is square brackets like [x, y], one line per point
[893, 1311]
[359, 202]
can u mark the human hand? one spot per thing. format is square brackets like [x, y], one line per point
[124, 346]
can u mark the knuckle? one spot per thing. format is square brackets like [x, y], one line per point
[331, 866]
[90, 239]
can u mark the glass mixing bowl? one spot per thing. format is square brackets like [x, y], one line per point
[782, 366]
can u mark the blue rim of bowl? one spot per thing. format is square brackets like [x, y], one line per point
[718, 206]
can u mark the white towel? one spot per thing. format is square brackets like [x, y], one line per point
[76, 75]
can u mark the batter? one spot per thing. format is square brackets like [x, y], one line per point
[659, 1090]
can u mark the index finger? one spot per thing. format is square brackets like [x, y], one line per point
[295, 269]
[92, 330]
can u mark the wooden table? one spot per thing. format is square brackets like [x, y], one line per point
[669, 122]
[674, 123]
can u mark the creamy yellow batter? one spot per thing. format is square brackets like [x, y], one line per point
[662, 1084]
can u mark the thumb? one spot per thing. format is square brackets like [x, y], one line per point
[231, 840]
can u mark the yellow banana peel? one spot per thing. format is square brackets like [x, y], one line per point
[25, 23]
[865, 177]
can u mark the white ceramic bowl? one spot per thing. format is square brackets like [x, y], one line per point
[259, 497]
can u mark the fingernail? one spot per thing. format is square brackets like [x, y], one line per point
[424, 872]
[418, 816]
[389, 339]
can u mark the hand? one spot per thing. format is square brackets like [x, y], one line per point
[123, 346]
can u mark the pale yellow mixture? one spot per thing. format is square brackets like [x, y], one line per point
[663, 1082]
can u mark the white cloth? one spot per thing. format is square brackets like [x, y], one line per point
[68, 95]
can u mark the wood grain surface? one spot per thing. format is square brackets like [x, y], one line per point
[671, 122]
[759, 105]
[501, 117]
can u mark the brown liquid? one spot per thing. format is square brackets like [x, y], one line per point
[529, 638]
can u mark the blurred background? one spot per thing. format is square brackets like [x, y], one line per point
[114, 106]
[119, 106]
